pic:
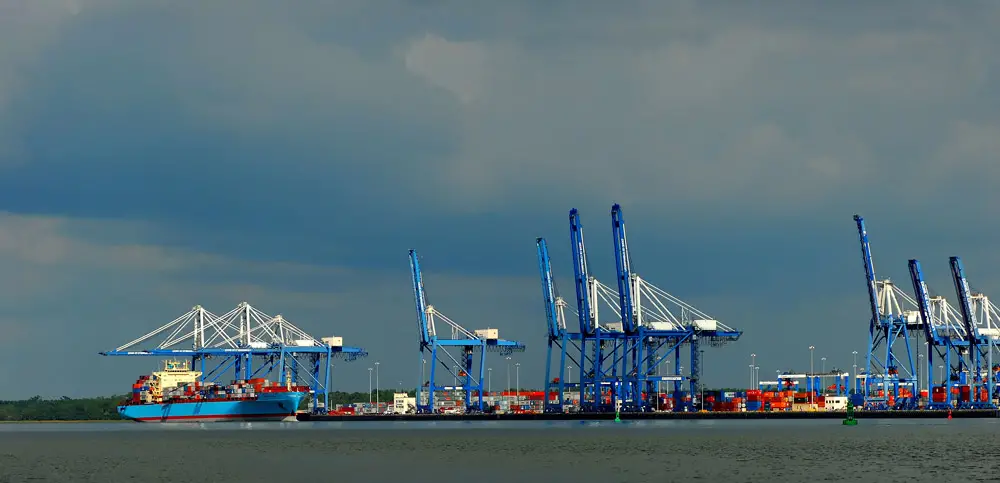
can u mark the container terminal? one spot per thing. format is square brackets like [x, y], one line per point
[629, 363]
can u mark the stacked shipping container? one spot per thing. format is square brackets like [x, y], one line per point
[147, 391]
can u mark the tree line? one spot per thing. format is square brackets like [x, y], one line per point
[105, 408]
[61, 409]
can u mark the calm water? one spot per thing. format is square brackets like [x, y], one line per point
[509, 452]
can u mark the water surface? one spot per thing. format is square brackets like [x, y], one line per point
[505, 451]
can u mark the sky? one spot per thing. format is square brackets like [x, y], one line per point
[158, 155]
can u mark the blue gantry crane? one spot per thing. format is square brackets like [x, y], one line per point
[979, 346]
[945, 338]
[251, 344]
[459, 339]
[619, 362]
[560, 338]
[655, 322]
[889, 327]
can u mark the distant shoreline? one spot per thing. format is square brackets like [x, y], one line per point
[49, 421]
[729, 415]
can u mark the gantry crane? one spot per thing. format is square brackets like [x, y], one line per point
[889, 325]
[468, 342]
[979, 347]
[649, 329]
[943, 335]
[239, 338]
[559, 336]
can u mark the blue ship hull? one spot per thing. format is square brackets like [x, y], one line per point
[276, 406]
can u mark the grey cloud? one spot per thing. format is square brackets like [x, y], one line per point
[739, 138]
[651, 103]
[77, 295]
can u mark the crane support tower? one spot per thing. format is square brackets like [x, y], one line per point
[887, 366]
[976, 394]
[251, 344]
[459, 339]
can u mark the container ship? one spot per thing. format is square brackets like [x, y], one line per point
[175, 394]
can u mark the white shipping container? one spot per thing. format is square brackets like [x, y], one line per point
[489, 334]
[661, 325]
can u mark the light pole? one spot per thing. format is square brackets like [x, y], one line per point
[930, 370]
[753, 363]
[701, 398]
[756, 376]
[657, 406]
[489, 380]
[920, 359]
[376, 387]
[854, 377]
[517, 381]
[822, 373]
[751, 376]
[423, 368]
[569, 375]
[811, 382]
[508, 378]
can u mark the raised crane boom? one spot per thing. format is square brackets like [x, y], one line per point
[866, 255]
[548, 288]
[964, 302]
[585, 306]
[420, 298]
[623, 264]
[923, 302]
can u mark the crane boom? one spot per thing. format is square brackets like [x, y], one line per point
[548, 288]
[623, 264]
[420, 298]
[585, 306]
[866, 255]
[964, 301]
[923, 301]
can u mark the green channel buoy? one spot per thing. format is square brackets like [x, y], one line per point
[617, 419]
[849, 420]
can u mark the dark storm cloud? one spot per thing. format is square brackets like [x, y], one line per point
[336, 135]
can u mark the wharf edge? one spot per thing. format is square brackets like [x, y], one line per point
[868, 414]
